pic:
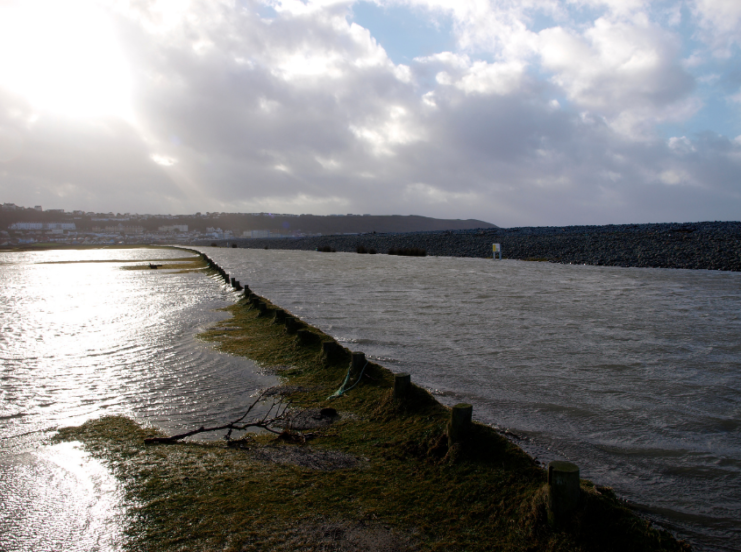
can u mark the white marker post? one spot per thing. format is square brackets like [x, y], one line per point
[496, 249]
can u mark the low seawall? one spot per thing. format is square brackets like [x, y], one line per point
[703, 245]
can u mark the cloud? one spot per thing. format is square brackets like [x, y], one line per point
[629, 73]
[544, 113]
[58, 162]
[719, 24]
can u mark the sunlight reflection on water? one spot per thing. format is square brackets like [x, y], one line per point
[83, 340]
[59, 498]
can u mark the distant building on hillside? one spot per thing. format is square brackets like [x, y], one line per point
[256, 234]
[27, 226]
[60, 226]
[120, 228]
[43, 226]
[174, 228]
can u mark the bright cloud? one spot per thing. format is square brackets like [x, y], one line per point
[719, 24]
[528, 112]
[62, 58]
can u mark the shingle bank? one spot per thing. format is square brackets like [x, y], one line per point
[702, 245]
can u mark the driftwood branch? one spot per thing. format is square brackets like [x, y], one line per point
[274, 414]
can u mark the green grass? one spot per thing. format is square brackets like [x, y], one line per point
[485, 494]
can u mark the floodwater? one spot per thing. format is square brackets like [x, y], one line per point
[633, 374]
[82, 340]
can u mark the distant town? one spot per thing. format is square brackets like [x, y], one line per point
[29, 225]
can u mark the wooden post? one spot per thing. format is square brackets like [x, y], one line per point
[234, 281]
[563, 491]
[262, 307]
[358, 362]
[305, 337]
[402, 385]
[328, 347]
[327, 350]
[331, 352]
[280, 317]
[460, 422]
[291, 325]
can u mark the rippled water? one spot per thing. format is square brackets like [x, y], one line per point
[634, 374]
[82, 340]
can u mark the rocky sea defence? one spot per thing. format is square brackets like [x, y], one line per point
[701, 245]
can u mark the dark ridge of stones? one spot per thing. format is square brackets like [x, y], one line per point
[702, 245]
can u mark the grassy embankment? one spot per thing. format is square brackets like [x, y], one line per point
[182, 265]
[403, 488]
[187, 264]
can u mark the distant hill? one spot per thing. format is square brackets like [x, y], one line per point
[313, 224]
[240, 222]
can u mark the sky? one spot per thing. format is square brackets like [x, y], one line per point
[516, 112]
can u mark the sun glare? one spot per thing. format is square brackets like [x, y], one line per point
[63, 57]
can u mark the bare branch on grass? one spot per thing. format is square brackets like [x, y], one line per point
[275, 414]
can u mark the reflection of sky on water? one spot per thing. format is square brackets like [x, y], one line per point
[82, 340]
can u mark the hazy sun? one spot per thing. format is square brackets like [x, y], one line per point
[63, 57]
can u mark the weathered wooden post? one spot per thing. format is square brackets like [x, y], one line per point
[460, 422]
[305, 337]
[358, 362]
[280, 317]
[262, 308]
[330, 350]
[402, 385]
[563, 491]
[327, 350]
[291, 325]
[234, 281]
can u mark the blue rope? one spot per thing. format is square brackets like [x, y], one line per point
[342, 390]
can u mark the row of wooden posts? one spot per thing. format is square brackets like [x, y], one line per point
[563, 477]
